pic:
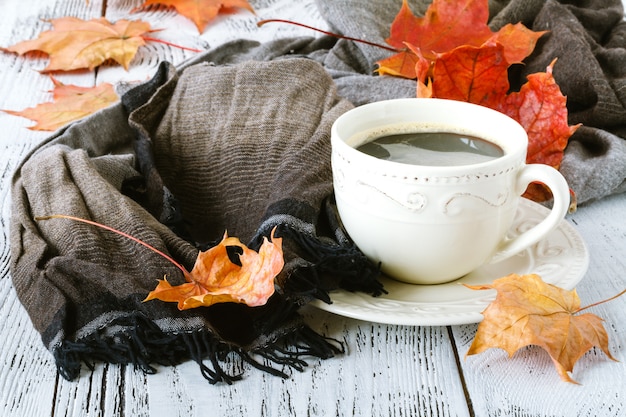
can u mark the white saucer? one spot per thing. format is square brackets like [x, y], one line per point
[560, 259]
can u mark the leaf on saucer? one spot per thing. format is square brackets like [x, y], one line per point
[529, 311]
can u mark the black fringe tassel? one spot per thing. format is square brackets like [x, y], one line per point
[330, 267]
[144, 343]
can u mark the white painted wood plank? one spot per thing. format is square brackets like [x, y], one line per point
[181, 31]
[28, 376]
[387, 371]
[527, 384]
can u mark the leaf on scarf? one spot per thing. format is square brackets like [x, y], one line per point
[529, 311]
[449, 24]
[540, 108]
[70, 102]
[77, 44]
[216, 279]
[477, 75]
[480, 76]
[202, 12]
[453, 54]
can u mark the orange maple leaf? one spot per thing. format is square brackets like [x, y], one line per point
[477, 75]
[216, 279]
[70, 102]
[453, 54]
[529, 311]
[76, 44]
[202, 12]
[480, 76]
[447, 25]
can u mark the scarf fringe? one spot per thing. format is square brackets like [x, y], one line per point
[143, 343]
[346, 264]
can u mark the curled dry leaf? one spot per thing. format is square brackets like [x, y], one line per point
[216, 279]
[202, 12]
[529, 311]
[70, 103]
[77, 44]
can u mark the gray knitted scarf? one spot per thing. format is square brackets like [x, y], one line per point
[184, 158]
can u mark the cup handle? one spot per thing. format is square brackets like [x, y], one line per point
[560, 191]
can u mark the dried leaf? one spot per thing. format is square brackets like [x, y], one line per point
[453, 54]
[540, 108]
[216, 279]
[447, 25]
[518, 41]
[77, 44]
[529, 311]
[70, 102]
[477, 75]
[202, 12]
[401, 64]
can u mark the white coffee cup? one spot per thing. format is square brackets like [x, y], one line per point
[433, 224]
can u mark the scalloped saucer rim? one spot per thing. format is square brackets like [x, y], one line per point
[561, 259]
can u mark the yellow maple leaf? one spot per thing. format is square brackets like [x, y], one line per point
[70, 102]
[529, 311]
[202, 12]
[77, 44]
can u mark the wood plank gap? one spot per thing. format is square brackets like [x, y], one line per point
[122, 391]
[103, 13]
[54, 396]
[457, 358]
[103, 10]
[103, 388]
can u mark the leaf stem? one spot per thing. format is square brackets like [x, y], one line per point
[126, 235]
[600, 302]
[336, 35]
[184, 48]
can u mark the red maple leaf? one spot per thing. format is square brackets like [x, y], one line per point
[453, 54]
[447, 25]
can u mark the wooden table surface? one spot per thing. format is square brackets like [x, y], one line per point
[388, 370]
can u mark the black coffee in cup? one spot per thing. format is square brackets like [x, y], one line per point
[432, 149]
